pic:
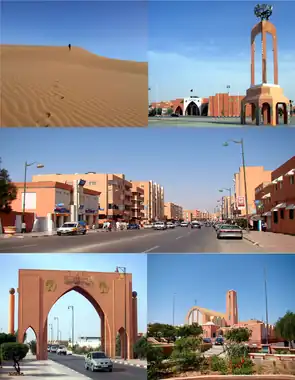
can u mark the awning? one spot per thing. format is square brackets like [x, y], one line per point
[274, 181]
[291, 172]
[277, 207]
[266, 196]
[267, 213]
[290, 207]
[280, 179]
[255, 218]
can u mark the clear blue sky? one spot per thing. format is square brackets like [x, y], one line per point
[205, 46]
[207, 278]
[84, 311]
[115, 29]
[190, 163]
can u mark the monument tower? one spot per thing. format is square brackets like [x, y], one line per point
[265, 97]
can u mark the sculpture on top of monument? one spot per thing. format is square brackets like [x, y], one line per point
[263, 11]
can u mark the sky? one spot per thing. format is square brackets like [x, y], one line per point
[191, 163]
[84, 311]
[205, 46]
[114, 29]
[203, 280]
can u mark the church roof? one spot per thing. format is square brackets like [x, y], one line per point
[210, 313]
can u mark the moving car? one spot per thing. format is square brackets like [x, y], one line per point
[48, 347]
[160, 226]
[97, 360]
[195, 224]
[184, 224]
[229, 231]
[62, 350]
[170, 225]
[219, 341]
[54, 348]
[72, 228]
[148, 225]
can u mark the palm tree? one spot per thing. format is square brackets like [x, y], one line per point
[285, 327]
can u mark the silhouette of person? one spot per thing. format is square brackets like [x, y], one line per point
[70, 47]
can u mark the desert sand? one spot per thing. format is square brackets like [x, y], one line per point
[44, 86]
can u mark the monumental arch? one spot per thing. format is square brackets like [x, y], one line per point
[265, 97]
[39, 290]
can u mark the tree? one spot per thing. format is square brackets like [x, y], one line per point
[238, 335]
[169, 111]
[186, 354]
[33, 347]
[16, 352]
[161, 330]
[285, 327]
[159, 111]
[6, 338]
[190, 330]
[118, 345]
[141, 347]
[8, 191]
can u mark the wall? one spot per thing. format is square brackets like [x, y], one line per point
[10, 219]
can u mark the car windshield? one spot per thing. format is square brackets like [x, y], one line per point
[98, 355]
[69, 225]
[54, 347]
[229, 227]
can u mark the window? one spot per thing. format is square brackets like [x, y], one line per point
[275, 217]
[292, 179]
[281, 185]
[110, 206]
[282, 213]
[291, 214]
[276, 186]
[91, 183]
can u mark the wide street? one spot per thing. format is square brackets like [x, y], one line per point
[203, 121]
[178, 240]
[120, 371]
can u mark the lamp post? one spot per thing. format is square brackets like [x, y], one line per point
[51, 332]
[241, 142]
[71, 307]
[266, 305]
[122, 272]
[57, 323]
[229, 190]
[228, 90]
[38, 166]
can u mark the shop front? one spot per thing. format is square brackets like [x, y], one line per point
[61, 215]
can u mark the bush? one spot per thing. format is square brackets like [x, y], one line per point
[187, 361]
[234, 350]
[33, 347]
[238, 335]
[140, 348]
[14, 351]
[242, 366]
[155, 358]
[219, 365]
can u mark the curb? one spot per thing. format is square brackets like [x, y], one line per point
[253, 241]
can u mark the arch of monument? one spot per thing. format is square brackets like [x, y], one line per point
[265, 97]
[110, 294]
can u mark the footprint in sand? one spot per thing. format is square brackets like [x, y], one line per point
[45, 123]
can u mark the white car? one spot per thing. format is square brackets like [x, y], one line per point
[160, 226]
[72, 228]
[184, 224]
[97, 360]
[148, 225]
[54, 348]
[62, 350]
[170, 225]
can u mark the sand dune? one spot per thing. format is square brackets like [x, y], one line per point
[46, 86]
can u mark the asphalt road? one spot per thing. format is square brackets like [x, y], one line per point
[120, 372]
[203, 121]
[178, 240]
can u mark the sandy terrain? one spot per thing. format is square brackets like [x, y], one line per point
[46, 86]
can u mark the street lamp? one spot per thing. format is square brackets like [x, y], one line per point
[72, 308]
[122, 275]
[38, 166]
[229, 190]
[51, 332]
[241, 142]
[57, 322]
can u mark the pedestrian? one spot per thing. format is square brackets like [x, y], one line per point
[24, 228]
[117, 225]
[70, 47]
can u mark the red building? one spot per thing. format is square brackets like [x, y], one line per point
[276, 199]
[227, 105]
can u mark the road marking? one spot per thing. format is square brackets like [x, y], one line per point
[179, 237]
[151, 249]
[19, 246]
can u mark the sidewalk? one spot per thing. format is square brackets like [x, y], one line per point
[272, 242]
[35, 369]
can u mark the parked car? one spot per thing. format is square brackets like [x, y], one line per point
[97, 360]
[170, 225]
[229, 231]
[133, 226]
[184, 224]
[207, 340]
[160, 226]
[195, 224]
[148, 225]
[54, 348]
[174, 115]
[48, 347]
[219, 341]
[72, 228]
[62, 350]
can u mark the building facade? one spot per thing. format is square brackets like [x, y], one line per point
[137, 204]
[55, 203]
[275, 199]
[153, 195]
[115, 191]
[172, 211]
[254, 176]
